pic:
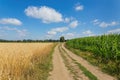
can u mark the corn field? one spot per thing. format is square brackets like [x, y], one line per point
[17, 60]
[105, 48]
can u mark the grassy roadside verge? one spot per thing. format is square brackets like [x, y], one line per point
[84, 54]
[41, 70]
[85, 71]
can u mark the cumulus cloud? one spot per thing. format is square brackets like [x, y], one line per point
[12, 21]
[69, 35]
[21, 33]
[104, 24]
[51, 32]
[46, 14]
[114, 31]
[73, 24]
[54, 31]
[88, 33]
[96, 21]
[67, 20]
[60, 29]
[79, 7]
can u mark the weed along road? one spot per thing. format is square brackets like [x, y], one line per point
[68, 66]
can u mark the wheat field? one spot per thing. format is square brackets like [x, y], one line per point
[17, 59]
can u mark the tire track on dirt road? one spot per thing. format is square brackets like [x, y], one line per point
[93, 69]
[60, 71]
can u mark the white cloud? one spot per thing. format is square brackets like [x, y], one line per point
[71, 35]
[51, 32]
[114, 31]
[79, 7]
[96, 21]
[60, 29]
[67, 20]
[46, 14]
[21, 33]
[73, 24]
[104, 24]
[9, 29]
[49, 36]
[54, 31]
[68, 35]
[12, 21]
[114, 23]
[88, 33]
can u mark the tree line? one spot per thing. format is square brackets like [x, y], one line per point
[62, 39]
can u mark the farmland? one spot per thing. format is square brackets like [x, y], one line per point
[25, 61]
[103, 50]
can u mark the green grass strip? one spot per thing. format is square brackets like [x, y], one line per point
[86, 72]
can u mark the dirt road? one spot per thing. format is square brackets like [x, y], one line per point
[59, 72]
[64, 67]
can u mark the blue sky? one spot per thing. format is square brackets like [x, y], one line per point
[50, 19]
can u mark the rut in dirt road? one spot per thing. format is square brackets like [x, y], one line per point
[94, 70]
[59, 72]
[74, 69]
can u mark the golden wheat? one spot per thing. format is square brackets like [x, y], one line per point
[16, 58]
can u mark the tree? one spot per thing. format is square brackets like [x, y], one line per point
[62, 39]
